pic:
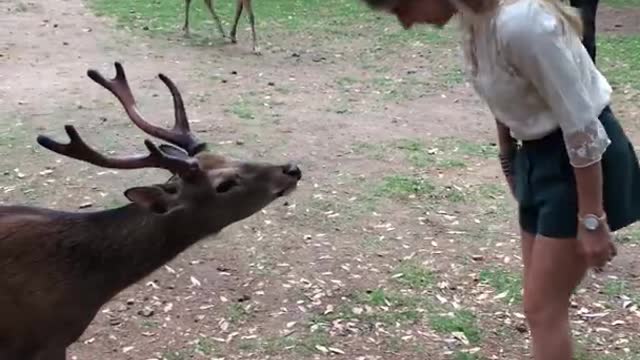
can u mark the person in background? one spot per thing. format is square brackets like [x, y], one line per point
[588, 10]
[567, 160]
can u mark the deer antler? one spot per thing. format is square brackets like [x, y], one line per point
[180, 135]
[78, 149]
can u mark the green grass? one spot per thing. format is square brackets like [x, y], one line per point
[459, 355]
[414, 275]
[624, 3]
[175, 355]
[462, 321]
[388, 88]
[441, 153]
[415, 152]
[621, 289]
[243, 110]
[333, 17]
[379, 306]
[402, 186]
[504, 282]
[619, 59]
[238, 313]
[15, 136]
[630, 235]
[581, 353]
[204, 347]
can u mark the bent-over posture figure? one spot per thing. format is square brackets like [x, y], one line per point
[565, 156]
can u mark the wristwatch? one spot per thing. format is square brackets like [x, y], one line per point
[592, 222]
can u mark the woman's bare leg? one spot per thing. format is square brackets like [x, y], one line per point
[556, 268]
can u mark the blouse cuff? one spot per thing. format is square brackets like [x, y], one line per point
[586, 146]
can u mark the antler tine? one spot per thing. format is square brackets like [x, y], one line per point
[181, 126]
[78, 149]
[180, 135]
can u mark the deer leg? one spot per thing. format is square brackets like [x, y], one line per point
[234, 28]
[215, 17]
[185, 28]
[252, 20]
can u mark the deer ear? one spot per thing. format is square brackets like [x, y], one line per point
[151, 198]
[174, 151]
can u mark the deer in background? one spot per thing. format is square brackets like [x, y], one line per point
[240, 5]
[57, 269]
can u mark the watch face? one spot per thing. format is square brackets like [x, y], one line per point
[591, 223]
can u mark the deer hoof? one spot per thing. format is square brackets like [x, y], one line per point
[256, 51]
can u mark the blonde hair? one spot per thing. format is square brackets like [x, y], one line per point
[568, 14]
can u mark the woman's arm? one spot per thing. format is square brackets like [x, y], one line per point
[589, 185]
[507, 150]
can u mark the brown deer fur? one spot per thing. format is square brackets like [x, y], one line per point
[57, 269]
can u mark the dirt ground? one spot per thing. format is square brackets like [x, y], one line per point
[300, 279]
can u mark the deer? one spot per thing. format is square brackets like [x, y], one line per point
[240, 5]
[58, 268]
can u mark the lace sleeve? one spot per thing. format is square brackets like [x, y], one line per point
[543, 52]
[585, 147]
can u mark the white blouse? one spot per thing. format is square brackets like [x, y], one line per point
[536, 76]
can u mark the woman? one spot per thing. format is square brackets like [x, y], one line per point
[568, 162]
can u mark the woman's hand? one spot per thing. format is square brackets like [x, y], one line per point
[596, 246]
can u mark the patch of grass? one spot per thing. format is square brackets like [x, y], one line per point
[377, 297]
[205, 347]
[347, 82]
[459, 355]
[581, 353]
[630, 235]
[490, 191]
[621, 289]
[474, 149]
[452, 77]
[371, 150]
[415, 152]
[238, 313]
[452, 164]
[624, 3]
[616, 288]
[243, 110]
[414, 275]
[149, 324]
[452, 194]
[175, 355]
[504, 282]
[15, 137]
[619, 59]
[401, 186]
[462, 321]
[396, 89]
[366, 309]
[307, 345]
[165, 16]
[277, 345]
[373, 242]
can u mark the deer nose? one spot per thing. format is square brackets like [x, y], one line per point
[292, 170]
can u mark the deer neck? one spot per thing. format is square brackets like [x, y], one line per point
[130, 243]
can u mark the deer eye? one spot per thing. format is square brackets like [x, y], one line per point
[226, 185]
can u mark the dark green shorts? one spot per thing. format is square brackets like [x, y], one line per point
[545, 184]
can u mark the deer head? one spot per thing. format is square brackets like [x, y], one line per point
[204, 185]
